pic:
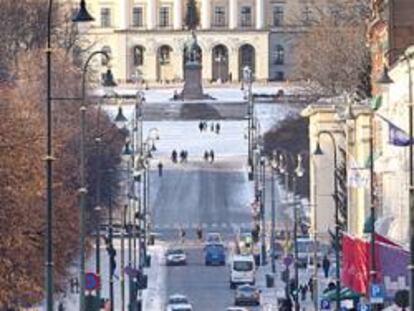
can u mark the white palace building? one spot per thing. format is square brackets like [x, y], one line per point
[148, 37]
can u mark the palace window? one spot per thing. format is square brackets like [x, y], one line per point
[105, 17]
[164, 55]
[278, 16]
[246, 16]
[219, 16]
[138, 55]
[137, 17]
[164, 16]
[279, 56]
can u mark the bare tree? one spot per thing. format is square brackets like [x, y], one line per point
[332, 53]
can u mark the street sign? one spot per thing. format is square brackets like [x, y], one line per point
[92, 281]
[377, 293]
[288, 260]
[325, 304]
[363, 307]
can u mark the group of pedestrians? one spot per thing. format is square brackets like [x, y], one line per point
[209, 156]
[214, 127]
[183, 156]
[182, 234]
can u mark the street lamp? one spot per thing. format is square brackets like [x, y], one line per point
[318, 151]
[386, 80]
[82, 17]
[83, 187]
[248, 79]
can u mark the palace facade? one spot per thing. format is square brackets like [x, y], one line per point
[146, 37]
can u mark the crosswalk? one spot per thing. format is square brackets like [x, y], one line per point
[205, 226]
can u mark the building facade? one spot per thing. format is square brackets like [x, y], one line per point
[147, 37]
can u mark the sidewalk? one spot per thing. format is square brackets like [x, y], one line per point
[271, 295]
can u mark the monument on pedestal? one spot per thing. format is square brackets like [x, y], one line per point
[193, 88]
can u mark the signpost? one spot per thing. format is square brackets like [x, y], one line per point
[377, 293]
[92, 281]
[325, 304]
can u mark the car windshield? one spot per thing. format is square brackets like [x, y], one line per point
[247, 289]
[175, 252]
[177, 300]
[242, 266]
[213, 238]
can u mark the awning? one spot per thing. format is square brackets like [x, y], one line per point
[345, 294]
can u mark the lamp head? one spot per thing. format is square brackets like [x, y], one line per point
[300, 171]
[120, 118]
[108, 81]
[82, 15]
[385, 78]
[318, 150]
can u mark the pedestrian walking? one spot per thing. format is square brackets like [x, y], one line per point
[206, 156]
[200, 126]
[212, 127]
[182, 156]
[199, 233]
[174, 156]
[61, 307]
[303, 291]
[326, 264]
[211, 156]
[160, 166]
[204, 125]
[182, 235]
[310, 286]
[217, 128]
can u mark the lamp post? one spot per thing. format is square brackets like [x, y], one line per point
[282, 159]
[248, 79]
[83, 188]
[81, 17]
[385, 80]
[318, 151]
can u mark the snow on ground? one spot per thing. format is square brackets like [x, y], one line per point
[228, 94]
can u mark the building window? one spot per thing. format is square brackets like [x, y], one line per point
[307, 15]
[279, 76]
[219, 16]
[164, 16]
[138, 55]
[279, 55]
[246, 16]
[108, 51]
[164, 56]
[277, 16]
[105, 17]
[137, 17]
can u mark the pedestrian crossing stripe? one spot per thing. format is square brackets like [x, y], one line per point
[206, 226]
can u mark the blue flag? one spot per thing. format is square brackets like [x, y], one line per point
[396, 135]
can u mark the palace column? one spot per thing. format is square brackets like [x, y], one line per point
[205, 14]
[178, 14]
[259, 14]
[151, 14]
[233, 14]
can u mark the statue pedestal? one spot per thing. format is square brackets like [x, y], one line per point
[193, 89]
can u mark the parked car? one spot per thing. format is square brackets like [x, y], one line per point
[180, 307]
[237, 309]
[247, 295]
[215, 254]
[177, 299]
[242, 270]
[175, 257]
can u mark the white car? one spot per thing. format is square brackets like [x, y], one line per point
[178, 302]
[237, 309]
[242, 270]
[180, 307]
[175, 257]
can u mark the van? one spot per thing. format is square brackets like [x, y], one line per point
[242, 270]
